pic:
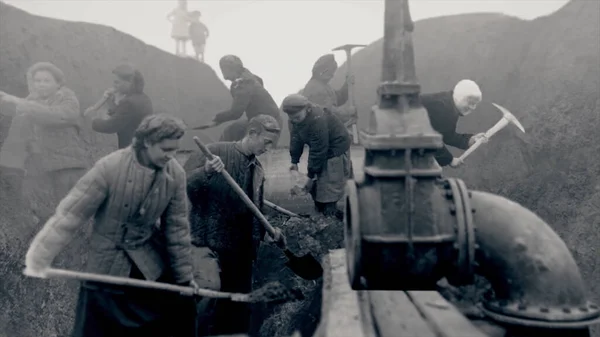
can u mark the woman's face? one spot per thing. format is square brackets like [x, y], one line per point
[121, 86]
[44, 83]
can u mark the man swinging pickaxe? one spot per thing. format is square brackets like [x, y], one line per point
[507, 118]
[351, 103]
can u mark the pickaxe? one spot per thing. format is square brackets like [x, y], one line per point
[348, 48]
[507, 118]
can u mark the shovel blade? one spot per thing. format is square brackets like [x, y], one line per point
[307, 267]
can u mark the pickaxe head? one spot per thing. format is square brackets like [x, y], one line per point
[348, 47]
[510, 117]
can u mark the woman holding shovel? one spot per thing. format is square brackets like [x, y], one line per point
[126, 193]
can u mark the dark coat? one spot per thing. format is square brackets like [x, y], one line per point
[125, 117]
[325, 135]
[250, 96]
[443, 116]
[219, 218]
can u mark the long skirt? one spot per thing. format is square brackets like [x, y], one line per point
[108, 311]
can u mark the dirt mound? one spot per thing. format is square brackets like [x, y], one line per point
[86, 53]
[547, 72]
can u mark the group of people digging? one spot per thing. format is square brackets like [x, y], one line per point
[153, 219]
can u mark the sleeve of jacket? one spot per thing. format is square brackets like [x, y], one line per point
[458, 140]
[198, 180]
[296, 144]
[342, 94]
[80, 204]
[64, 113]
[242, 94]
[121, 117]
[443, 156]
[177, 231]
[319, 144]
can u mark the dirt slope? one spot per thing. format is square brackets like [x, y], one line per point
[547, 72]
[86, 53]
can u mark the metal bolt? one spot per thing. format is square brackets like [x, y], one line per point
[455, 245]
[472, 210]
[470, 194]
[593, 306]
[476, 246]
[566, 310]
[522, 307]
[584, 309]
[544, 310]
[449, 194]
[452, 209]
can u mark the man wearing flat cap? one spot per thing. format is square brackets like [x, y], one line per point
[249, 95]
[329, 164]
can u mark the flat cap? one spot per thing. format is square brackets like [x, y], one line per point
[293, 103]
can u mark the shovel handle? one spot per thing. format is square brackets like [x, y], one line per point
[125, 281]
[471, 149]
[238, 190]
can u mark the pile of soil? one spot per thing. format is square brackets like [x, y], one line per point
[547, 73]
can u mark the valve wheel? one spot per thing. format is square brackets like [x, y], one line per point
[353, 237]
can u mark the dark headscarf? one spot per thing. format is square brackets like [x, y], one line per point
[323, 64]
[130, 74]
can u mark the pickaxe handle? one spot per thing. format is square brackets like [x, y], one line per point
[489, 133]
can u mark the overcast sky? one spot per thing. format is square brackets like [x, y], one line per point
[278, 40]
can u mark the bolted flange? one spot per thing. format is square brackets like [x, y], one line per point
[353, 237]
[465, 244]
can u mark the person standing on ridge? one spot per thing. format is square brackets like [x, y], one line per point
[138, 201]
[329, 163]
[444, 110]
[127, 105]
[179, 17]
[198, 34]
[249, 95]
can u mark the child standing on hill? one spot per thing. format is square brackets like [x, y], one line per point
[198, 34]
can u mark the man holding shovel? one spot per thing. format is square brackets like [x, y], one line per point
[444, 110]
[222, 221]
[329, 164]
[137, 198]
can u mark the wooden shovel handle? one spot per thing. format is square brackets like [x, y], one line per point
[238, 190]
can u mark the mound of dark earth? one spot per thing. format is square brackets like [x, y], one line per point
[547, 73]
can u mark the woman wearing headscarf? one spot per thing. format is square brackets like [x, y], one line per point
[127, 105]
[320, 92]
[44, 146]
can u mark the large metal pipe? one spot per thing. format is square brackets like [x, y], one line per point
[535, 279]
